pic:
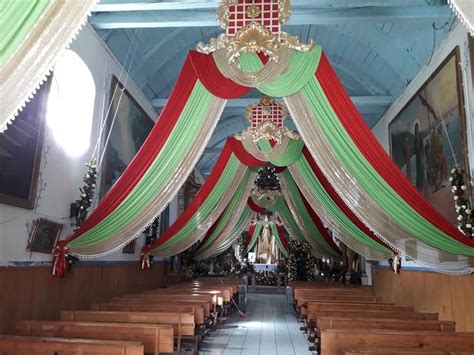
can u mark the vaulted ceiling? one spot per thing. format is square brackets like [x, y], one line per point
[376, 46]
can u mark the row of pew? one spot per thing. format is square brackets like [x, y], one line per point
[349, 320]
[165, 320]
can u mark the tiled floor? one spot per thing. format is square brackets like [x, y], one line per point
[269, 328]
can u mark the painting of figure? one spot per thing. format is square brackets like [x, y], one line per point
[130, 127]
[20, 152]
[44, 236]
[428, 139]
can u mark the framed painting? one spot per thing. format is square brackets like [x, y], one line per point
[44, 236]
[131, 126]
[428, 136]
[20, 152]
[130, 247]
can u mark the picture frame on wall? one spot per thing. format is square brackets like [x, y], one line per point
[130, 247]
[428, 135]
[20, 152]
[131, 126]
[44, 236]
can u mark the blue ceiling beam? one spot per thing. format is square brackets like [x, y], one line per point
[301, 15]
[166, 5]
[364, 103]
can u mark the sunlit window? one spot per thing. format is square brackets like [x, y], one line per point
[71, 104]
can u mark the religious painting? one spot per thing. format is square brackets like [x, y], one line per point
[44, 236]
[20, 152]
[428, 136]
[129, 126]
[130, 247]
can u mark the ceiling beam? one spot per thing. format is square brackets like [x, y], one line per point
[166, 5]
[365, 104]
[306, 14]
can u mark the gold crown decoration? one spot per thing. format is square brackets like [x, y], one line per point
[266, 122]
[253, 26]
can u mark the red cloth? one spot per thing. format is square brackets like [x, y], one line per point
[201, 196]
[320, 226]
[209, 75]
[254, 207]
[60, 262]
[147, 153]
[281, 234]
[366, 142]
[337, 199]
[245, 157]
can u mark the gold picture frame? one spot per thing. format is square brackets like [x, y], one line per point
[44, 236]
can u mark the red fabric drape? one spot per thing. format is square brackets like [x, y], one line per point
[245, 157]
[250, 234]
[147, 153]
[212, 79]
[198, 200]
[281, 234]
[320, 226]
[337, 199]
[375, 154]
[254, 207]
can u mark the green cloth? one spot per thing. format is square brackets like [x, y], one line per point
[17, 17]
[288, 157]
[276, 235]
[158, 175]
[370, 181]
[319, 193]
[304, 214]
[300, 70]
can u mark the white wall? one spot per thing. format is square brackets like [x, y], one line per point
[61, 174]
[457, 37]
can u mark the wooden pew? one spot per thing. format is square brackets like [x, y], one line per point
[26, 345]
[304, 309]
[305, 298]
[164, 301]
[384, 323]
[183, 323]
[198, 310]
[337, 341]
[225, 293]
[397, 351]
[321, 306]
[156, 338]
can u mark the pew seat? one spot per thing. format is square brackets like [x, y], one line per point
[183, 323]
[27, 345]
[398, 351]
[156, 338]
[198, 310]
[337, 341]
[384, 323]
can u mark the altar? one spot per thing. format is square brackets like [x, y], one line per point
[265, 267]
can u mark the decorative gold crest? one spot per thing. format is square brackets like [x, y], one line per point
[253, 37]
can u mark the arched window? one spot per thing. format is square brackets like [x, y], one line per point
[71, 104]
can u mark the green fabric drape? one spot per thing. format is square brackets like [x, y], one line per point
[304, 215]
[158, 175]
[254, 238]
[208, 206]
[276, 235]
[300, 70]
[228, 212]
[17, 19]
[292, 152]
[284, 212]
[366, 176]
[313, 184]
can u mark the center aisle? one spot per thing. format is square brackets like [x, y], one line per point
[269, 329]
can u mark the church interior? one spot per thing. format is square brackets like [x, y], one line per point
[237, 177]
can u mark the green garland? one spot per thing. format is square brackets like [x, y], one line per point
[462, 204]
[301, 262]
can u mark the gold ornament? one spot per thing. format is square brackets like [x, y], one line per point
[253, 38]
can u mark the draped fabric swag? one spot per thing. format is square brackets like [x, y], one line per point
[32, 36]
[337, 176]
